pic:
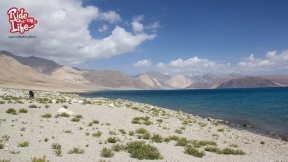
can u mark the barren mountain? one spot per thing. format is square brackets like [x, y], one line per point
[145, 78]
[68, 74]
[281, 80]
[113, 79]
[247, 82]
[13, 74]
[179, 81]
[39, 64]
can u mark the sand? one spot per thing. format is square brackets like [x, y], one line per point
[42, 133]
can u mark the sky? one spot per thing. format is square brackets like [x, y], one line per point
[169, 36]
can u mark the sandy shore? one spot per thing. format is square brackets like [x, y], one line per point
[115, 125]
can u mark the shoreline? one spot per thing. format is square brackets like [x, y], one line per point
[113, 116]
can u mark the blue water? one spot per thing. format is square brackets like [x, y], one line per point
[265, 108]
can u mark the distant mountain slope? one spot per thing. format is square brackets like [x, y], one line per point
[68, 74]
[113, 79]
[39, 64]
[145, 78]
[179, 81]
[247, 82]
[282, 80]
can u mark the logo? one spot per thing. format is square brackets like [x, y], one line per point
[20, 20]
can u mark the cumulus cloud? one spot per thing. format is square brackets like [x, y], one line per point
[62, 32]
[138, 27]
[142, 63]
[271, 61]
[194, 64]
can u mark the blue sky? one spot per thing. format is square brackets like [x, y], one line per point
[178, 37]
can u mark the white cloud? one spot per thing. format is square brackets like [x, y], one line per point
[142, 63]
[194, 64]
[272, 61]
[138, 27]
[103, 28]
[153, 26]
[62, 32]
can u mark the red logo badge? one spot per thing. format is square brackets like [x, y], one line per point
[19, 20]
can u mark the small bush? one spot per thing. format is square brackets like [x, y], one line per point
[65, 106]
[11, 111]
[141, 130]
[79, 116]
[140, 150]
[98, 134]
[46, 140]
[2, 102]
[198, 144]
[95, 121]
[46, 116]
[157, 138]
[47, 106]
[23, 110]
[147, 122]
[122, 131]
[193, 151]
[56, 146]
[213, 149]
[117, 147]
[62, 115]
[23, 129]
[23, 144]
[67, 131]
[43, 159]
[220, 130]
[131, 133]
[1, 145]
[105, 152]
[112, 139]
[228, 151]
[76, 150]
[182, 142]
[75, 119]
[33, 106]
[179, 131]
[146, 135]
[262, 142]
[112, 132]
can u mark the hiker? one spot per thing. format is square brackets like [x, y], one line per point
[31, 94]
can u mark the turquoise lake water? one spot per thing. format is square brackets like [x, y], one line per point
[264, 108]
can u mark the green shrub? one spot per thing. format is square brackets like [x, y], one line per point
[117, 147]
[146, 135]
[1, 145]
[220, 130]
[112, 139]
[179, 131]
[233, 145]
[65, 106]
[47, 106]
[140, 150]
[122, 131]
[147, 122]
[131, 133]
[11, 111]
[182, 142]
[105, 152]
[193, 151]
[98, 134]
[62, 115]
[79, 116]
[43, 159]
[76, 150]
[46, 116]
[141, 130]
[2, 102]
[157, 138]
[23, 110]
[33, 106]
[95, 121]
[228, 151]
[23, 144]
[75, 119]
[213, 149]
[198, 144]
[56, 146]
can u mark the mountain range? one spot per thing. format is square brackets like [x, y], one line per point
[28, 70]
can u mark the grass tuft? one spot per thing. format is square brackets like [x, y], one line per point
[43, 159]
[23, 144]
[140, 150]
[157, 138]
[190, 150]
[32, 106]
[76, 150]
[46, 116]
[23, 110]
[106, 152]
